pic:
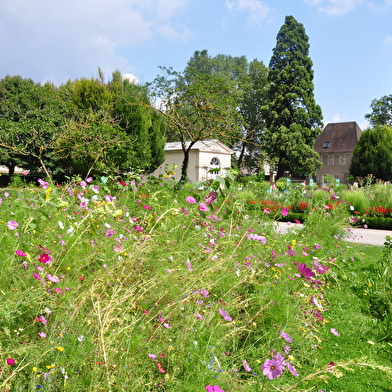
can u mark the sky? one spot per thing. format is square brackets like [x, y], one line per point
[56, 40]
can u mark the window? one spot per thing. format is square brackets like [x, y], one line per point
[214, 167]
[326, 144]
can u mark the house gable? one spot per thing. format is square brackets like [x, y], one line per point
[336, 145]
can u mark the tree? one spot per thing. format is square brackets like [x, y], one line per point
[381, 111]
[250, 82]
[143, 126]
[293, 119]
[373, 154]
[94, 145]
[202, 107]
[31, 115]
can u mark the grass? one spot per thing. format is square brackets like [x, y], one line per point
[108, 287]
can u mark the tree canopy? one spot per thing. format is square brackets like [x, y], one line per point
[373, 154]
[293, 119]
[381, 111]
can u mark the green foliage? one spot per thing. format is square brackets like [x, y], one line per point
[138, 274]
[293, 119]
[373, 154]
[356, 198]
[381, 111]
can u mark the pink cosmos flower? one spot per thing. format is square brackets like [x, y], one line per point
[225, 315]
[45, 258]
[246, 366]
[12, 225]
[147, 207]
[190, 200]
[214, 388]
[285, 211]
[306, 272]
[42, 335]
[160, 368]
[153, 357]
[334, 331]
[20, 253]
[43, 183]
[199, 316]
[286, 337]
[52, 278]
[10, 361]
[291, 369]
[203, 207]
[272, 368]
[188, 265]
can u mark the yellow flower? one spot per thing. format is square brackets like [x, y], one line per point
[34, 369]
[47, 193]
[49, 366]
[60, 348]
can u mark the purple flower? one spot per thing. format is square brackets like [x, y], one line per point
[291, 369]
[225, 315]
[43, 183]
[306, 272]
[272, 368]
[190, 200]
[204, 293]
[286, 337]
[246, 366]
[12, 225]
[52, 278]
[153, 357]
[199, 316]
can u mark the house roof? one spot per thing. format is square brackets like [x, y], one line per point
[200, 145]
[338, 137]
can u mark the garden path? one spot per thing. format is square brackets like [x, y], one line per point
[356, 235]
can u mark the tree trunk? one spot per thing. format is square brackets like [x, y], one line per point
[184, 167]
[11, 169]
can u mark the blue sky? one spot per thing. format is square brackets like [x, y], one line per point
[350, 41]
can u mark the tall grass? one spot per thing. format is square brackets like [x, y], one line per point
[110, 286]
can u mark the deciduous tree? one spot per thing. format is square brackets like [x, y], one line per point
[381, 111]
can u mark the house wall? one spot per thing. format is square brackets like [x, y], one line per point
[199, 163]
[336, 164]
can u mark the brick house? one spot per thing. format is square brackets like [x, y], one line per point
[336, 144]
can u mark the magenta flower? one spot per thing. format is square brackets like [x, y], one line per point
[246, 366]
[20, 253]
[214, 388]
[190, 200]
[272, 368]
[305, 271]
[10, 361]
[286, 337]
[199, 316]
[44, 258]
[225, 315]
[203, 207]
[146, 207]
[12, 225]
[36, 276]
[43, 183]
[285, 211]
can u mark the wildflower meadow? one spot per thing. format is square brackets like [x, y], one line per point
[126, 284]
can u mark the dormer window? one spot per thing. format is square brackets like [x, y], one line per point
[326, 144]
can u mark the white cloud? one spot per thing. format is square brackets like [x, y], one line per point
[57, 40]
[388, 40]
[132, 78]
[256, 9]
[177, 32]
[335, 7]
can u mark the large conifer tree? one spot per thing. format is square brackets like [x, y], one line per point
[292, 117]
